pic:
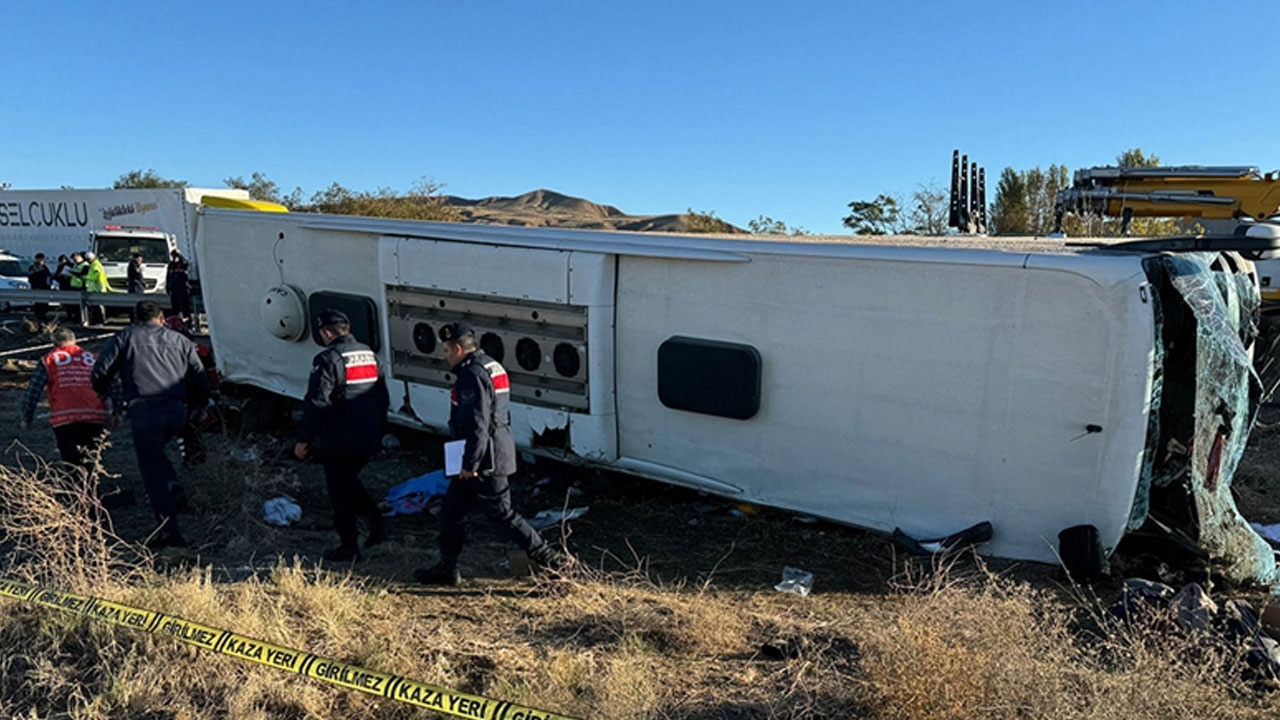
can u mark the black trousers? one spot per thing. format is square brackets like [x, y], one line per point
[493, 494]
[180, 301]
[155, 422]
[347, 494]
[74, 439]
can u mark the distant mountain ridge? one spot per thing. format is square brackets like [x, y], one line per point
[547, 208]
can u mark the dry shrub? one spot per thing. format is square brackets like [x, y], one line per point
[986, 646]
[55, 530]
[631, 610]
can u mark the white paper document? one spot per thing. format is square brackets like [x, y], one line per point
[453, 457]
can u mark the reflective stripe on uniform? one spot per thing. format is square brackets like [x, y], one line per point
[497, 373]
[362, 367]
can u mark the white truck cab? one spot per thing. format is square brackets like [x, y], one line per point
[116, 244]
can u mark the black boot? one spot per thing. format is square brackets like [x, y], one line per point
[442, 573]
[548, 561]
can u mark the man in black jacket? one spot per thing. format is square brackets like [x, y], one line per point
[40, 277]
[342, 422]
[136, 282]
[161, 373]
[480, 415]
[177, 282]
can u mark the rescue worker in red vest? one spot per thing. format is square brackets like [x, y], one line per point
[160, 374]
[479, 415]
[76, 413]
[343, 416]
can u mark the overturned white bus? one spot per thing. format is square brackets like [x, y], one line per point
[910, 384]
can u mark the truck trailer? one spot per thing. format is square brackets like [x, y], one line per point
[112, 223]
[910, 384]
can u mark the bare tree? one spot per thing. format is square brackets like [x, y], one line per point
[929, 210]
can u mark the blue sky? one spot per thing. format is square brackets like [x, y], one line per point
[788, 109]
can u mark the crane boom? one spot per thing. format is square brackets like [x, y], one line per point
[1221, 193]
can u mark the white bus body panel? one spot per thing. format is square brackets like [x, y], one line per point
[926, 389]
[923, 396]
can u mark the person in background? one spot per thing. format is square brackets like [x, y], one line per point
[342, 422]
[136, 284]
[160, 375]
[63, 272]
[75, 282]
[76, 413]
[177, 282]
[41, 278]
[95, 281]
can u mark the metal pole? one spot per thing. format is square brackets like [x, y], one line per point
[953, 218]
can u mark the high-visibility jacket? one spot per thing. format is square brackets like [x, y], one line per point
[71, 395]
[78, 273]
[96, 280]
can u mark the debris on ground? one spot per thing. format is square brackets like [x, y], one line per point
[415, 495]
[281, 511]
[970, 536]
[1269, 532]
[784, 648]
[795, 581]
[249, 453]
[1190, 611]
[547, 518]
[16, 366]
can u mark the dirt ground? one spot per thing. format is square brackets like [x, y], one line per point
[678, 539]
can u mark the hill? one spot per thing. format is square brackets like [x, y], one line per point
[547, 208]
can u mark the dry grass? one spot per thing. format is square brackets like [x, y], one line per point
[947, 643]
[985, 646]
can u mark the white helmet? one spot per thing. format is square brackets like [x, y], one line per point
[90, 256]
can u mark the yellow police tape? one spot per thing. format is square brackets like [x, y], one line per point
[243, 647]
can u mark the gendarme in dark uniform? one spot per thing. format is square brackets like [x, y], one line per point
[161, 374]
[479, 414]
[343, 418]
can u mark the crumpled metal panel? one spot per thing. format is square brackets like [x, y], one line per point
[1223, 419]
[1142, 498]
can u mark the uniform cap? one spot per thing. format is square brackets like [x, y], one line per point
[331, 317]
[454, 330]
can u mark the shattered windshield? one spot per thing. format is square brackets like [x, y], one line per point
[1226, 390]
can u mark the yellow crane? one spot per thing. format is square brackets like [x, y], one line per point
[1217, 193]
